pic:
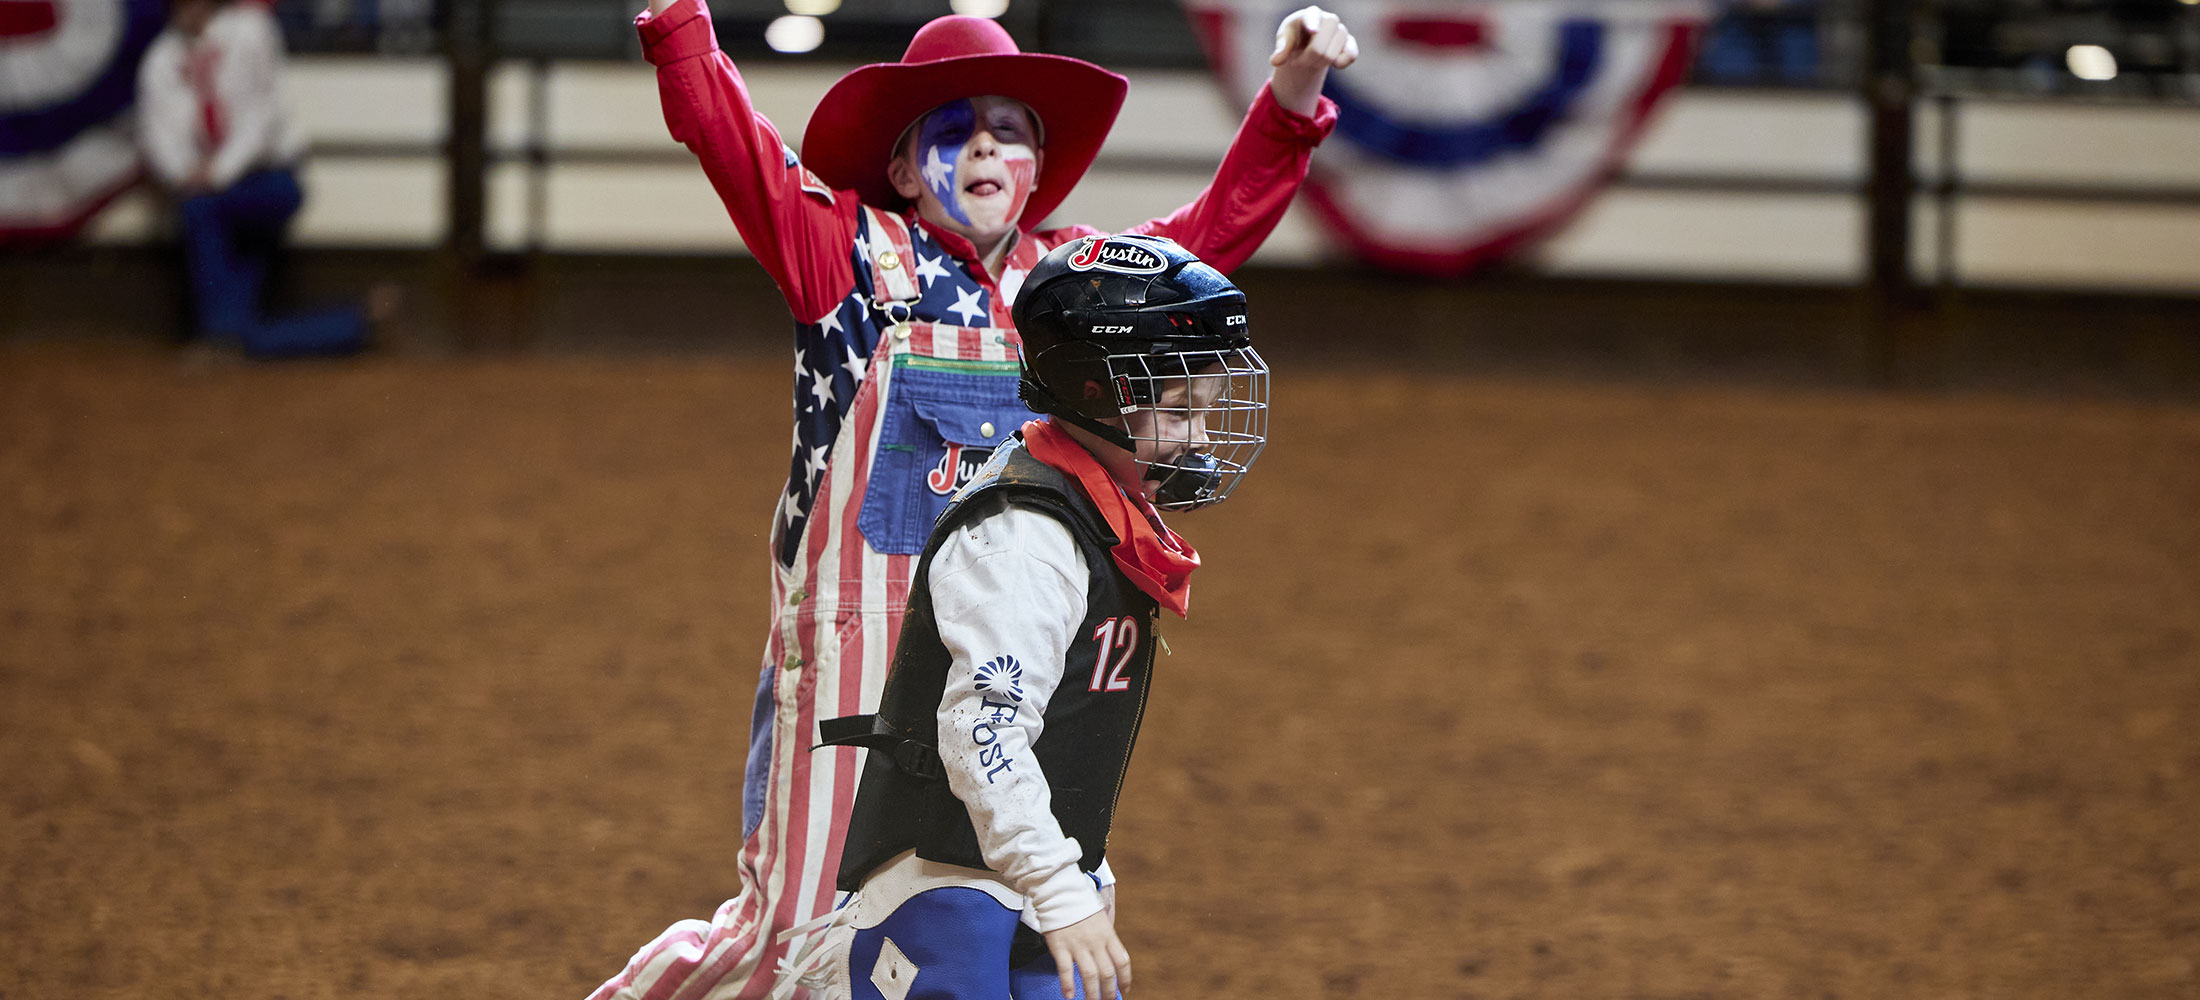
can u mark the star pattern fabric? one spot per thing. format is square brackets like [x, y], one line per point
[929, 269]
[833, 355]
[953, 296]
[969, 306]
[824, 386]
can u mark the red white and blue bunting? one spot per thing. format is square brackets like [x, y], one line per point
[68, 78]
[1468, 130]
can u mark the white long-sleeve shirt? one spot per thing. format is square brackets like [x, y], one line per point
[1011, 582]
[232, 74]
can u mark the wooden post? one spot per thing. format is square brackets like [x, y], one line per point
[1890, 87]
[467, 147]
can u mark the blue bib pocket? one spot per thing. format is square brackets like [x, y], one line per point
[943, 420]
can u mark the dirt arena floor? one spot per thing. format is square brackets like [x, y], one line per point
[428, 678]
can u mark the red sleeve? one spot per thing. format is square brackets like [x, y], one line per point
[1258, 177]
[798, 229]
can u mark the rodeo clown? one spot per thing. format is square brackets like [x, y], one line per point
[1002, 739]
[899, 238]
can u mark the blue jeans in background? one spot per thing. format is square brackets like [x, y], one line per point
[228, 238]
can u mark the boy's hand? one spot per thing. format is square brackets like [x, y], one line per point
[1089, 947]
[1308, 44]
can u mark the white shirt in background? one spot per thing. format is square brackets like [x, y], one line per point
[236, 66]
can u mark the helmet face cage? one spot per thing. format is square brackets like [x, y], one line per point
[1207, 419]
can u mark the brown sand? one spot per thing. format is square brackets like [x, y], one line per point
[398, 678]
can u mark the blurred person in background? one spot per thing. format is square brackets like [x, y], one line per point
[215, 134]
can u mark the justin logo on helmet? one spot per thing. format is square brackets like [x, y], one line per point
[1118, 254]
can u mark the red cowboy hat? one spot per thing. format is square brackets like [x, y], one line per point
[851, 134]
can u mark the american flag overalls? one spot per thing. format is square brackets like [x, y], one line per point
[931, 399]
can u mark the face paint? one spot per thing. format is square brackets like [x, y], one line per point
[1023, 170]
[940, 141]
[1012, 126]
[943, 138]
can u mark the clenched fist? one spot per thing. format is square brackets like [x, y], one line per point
[1309, 43]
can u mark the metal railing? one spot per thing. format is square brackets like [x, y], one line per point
[1867, 47]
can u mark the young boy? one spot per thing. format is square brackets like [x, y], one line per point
[899, 237]
[1026, 658]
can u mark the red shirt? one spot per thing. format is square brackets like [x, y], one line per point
[802, 237]
[811, 239]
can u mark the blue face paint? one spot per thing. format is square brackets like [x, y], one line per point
[940, 140]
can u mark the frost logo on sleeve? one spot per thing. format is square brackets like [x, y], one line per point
[1468, 131]
[1003, 676]
[1000, 682]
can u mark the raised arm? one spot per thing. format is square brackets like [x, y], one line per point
[1254, 185]
[798, 229]
[1267, 159]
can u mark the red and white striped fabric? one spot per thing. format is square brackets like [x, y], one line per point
[836, 613]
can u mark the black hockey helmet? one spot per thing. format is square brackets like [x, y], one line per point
[1111, 324]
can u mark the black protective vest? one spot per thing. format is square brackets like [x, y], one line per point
[1091, 722]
